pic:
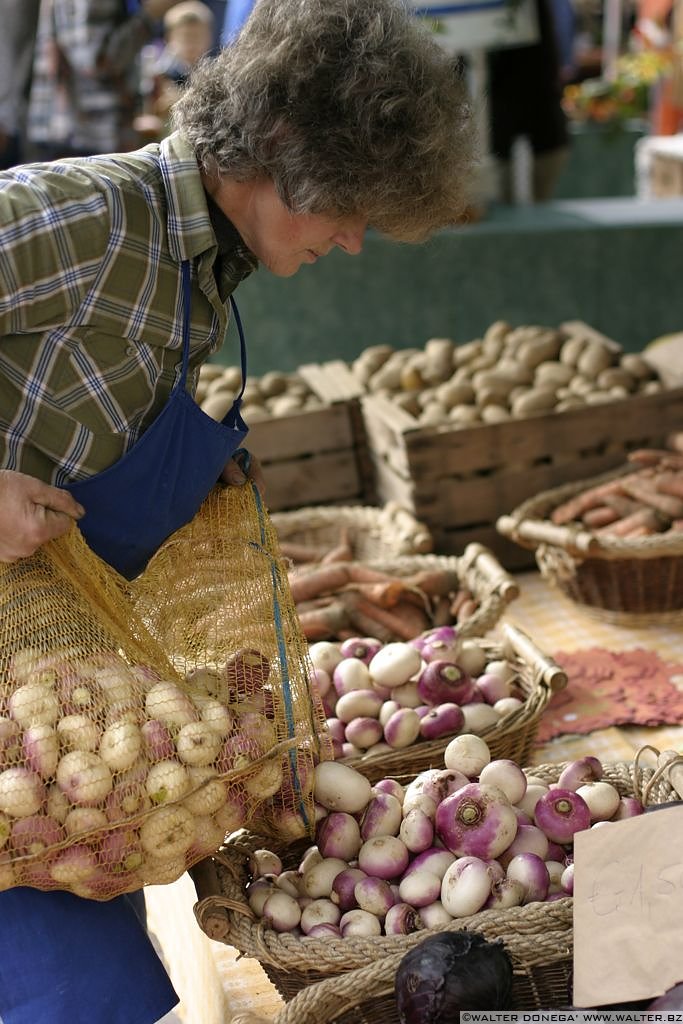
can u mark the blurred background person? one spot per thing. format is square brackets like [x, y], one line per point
[17, 41]
[525, 86]
[85, 88]
[188, 36]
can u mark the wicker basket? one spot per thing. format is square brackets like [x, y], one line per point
[374, 532]
[478, 571]
[539, 935]
[541, 965]
[627, 582]
[512, 736]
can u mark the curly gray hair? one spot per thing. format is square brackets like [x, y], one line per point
[349, 106]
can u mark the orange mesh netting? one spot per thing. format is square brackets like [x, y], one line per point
[142, 722]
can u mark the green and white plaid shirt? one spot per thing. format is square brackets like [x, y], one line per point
[91, 302]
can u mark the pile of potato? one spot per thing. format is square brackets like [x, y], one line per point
[509, 373]
[273, 394]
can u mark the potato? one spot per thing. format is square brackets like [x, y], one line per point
[540, 349]
[637, 366]
[454, 393]
[494, 414]
[370, 360]
[273, 383]
[595, 358]
[554, 373]
[535, 400]
[572, 349]
[217, 405]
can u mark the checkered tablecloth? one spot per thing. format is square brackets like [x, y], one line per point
[557, 624]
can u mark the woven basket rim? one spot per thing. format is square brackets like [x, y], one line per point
[535, 510]
[288, 953]
[541, 677]
[375, 519]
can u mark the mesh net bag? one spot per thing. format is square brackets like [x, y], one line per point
[141, 723]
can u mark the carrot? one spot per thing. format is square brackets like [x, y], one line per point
[648, 456]
[301, 552]
[644, 518]
[622, 505]
[601, 515]
[671, 483]
[361, 573]
[404, 620]
[458, 600]
[342, 552]
[580, 503]
[324, 623]
[386, 595]
[322, 580]
[467, 610]
[665, 504]
[441, 612]
[436, 582]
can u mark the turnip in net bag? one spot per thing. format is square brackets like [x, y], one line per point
[217, 598]
[140, 723]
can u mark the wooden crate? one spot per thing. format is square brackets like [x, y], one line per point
[458, 481]
[319, 456]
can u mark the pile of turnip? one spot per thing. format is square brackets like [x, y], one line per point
[391, 859]
[111, 777]
[380, 698]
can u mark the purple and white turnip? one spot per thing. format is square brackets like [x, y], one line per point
[446, 845]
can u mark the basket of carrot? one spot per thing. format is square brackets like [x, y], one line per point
[614, 543]
[396, 598]
[332, 533]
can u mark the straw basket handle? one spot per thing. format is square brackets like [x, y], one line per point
[211, 911]
[531, 532]
[479, 559]
[547, 670]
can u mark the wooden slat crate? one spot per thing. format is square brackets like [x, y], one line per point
[458, 481]
[318, 456]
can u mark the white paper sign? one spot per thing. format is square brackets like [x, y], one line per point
[480, 24]
[628, 909]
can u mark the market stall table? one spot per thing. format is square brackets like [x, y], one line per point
[214, 984]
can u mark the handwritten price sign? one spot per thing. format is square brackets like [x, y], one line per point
[628, 909]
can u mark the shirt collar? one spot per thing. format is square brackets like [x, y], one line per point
[196, 225]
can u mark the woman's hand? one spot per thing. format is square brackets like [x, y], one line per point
[234, 474]
[31, 513]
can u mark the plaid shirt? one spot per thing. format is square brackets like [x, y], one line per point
[91, 302]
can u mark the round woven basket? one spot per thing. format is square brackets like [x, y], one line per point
[627, 582]
[538, 935]
[513, 735]
[478, 571]
[373, 532]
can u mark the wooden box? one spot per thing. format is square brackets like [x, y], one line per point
[318, 456]
[458, 481]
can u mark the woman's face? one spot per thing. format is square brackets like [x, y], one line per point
[282, 241]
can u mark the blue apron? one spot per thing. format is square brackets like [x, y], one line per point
[64, 959]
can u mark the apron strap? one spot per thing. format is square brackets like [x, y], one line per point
[187, 299]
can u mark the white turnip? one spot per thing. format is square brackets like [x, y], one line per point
[120, 745]
[21, 792]
[168, 832]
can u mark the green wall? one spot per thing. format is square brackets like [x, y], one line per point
[615, 263]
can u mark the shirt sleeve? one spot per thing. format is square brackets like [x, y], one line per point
[53, 235]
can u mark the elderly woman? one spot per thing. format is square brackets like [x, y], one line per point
[116, 277]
